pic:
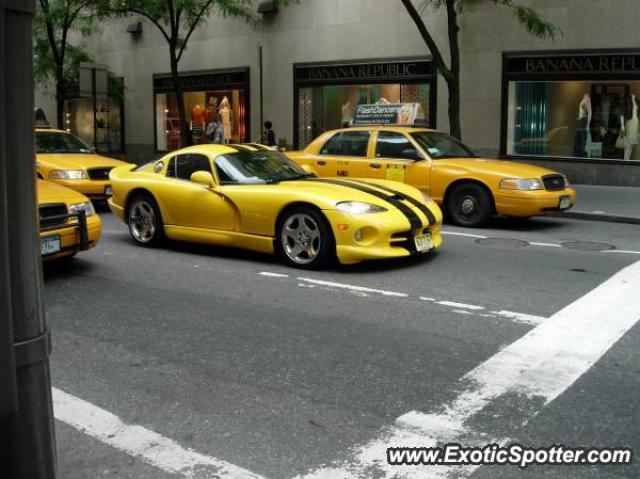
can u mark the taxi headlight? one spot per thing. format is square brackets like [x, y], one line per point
[527, 184]
[68, 175]
[359, 208]
[87, 207]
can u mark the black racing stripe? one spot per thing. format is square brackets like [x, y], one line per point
[421, 206]
[414, 220]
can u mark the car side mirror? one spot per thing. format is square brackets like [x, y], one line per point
[203, 178]
[413, 153]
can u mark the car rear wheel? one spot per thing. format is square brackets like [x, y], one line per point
[469, 205]
[305, 239]
[145, 223]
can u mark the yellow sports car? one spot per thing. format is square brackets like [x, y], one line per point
[470, 189]
[249, 196]
[68, 222]
[65, 159]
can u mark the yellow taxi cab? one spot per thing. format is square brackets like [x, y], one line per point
[68, 161]
[68, 221]
[470, 189]
[250, 196]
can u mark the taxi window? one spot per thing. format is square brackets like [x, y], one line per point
[183, 166]
[395, 145]
[347, 143]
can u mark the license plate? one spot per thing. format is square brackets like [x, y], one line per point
[108, 191]
[423, 242]
[50, 245]
[565, 202]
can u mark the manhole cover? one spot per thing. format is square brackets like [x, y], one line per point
[503, 242]
[588, 246]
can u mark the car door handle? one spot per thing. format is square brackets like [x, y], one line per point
[375, 165]
[321, 162]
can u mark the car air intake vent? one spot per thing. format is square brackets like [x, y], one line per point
[554, 182]
[99, 173]
[52, 215]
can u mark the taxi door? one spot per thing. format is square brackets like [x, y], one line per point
[345, 154]
[397, 158]
[191, 204]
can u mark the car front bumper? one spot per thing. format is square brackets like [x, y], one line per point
[78, 235]
[533, 203]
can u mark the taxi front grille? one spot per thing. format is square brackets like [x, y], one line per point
[101, 173]
[53, 215]
[554, 182]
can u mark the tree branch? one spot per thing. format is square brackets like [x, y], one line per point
[50, 31]
[428, 39]
[194, 24]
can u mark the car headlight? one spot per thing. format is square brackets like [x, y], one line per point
[68, 175]
[87, 207]
[527, 184]
[359, 208]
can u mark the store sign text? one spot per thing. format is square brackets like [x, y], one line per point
[598, 64]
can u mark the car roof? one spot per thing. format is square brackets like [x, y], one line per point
[214, 148]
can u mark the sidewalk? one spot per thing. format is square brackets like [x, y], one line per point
[615, 204]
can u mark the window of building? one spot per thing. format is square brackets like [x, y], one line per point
[347, 143]
[394, 145]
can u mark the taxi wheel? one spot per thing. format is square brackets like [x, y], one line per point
[469, 205]
[305, 239]
[144, 220]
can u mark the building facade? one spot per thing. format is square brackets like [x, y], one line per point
[569, 104]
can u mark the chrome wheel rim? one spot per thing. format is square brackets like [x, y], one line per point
[468, 206]
[142, 221]
[301, 238]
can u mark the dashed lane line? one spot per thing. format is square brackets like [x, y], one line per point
[367, 291]
[537, 368]
[140, 442]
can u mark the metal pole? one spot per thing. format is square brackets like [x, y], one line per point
[261, 90]
[29, 433]
[95, 108]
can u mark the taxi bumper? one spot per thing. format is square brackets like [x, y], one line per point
[534, 203]
[80, 234]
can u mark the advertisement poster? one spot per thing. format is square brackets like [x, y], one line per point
[387, 114]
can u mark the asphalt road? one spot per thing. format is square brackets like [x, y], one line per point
[284, 372]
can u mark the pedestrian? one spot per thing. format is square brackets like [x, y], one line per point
[268, 135]
[215, 130]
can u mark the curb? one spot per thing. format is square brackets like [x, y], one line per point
[578, 215]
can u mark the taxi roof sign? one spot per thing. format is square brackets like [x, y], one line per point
[389, 114]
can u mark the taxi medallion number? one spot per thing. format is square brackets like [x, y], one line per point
[424, 242]
[50, 245]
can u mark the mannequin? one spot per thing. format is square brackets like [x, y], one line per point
[583, 133]
[212, 108]
[630, 126]
[197, 123]
[225, 115]
[347, 114]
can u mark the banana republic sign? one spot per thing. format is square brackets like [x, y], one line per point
[385, 71]
[577, 64]
[203, 81]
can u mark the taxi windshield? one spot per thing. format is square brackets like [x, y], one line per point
[441, 145]
[57, 142]
[257, 167]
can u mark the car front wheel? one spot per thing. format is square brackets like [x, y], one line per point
[470, 205]
[145, 224]
[305, 239]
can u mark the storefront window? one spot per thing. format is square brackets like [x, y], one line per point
[201, 108]
[106, 133]
[325, 108]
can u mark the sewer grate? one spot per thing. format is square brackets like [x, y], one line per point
[588, 246]
[503, 242]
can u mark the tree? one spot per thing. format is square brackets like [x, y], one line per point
[177, 20]
[54, 56]
[527, 16]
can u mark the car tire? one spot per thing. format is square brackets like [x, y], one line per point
[304, 239]
[145, 221]
[469, 205]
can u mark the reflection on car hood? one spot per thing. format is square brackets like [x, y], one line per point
[501, 168]
[70, 161]
[49, 192]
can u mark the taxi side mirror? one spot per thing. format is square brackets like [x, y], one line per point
[203, 178]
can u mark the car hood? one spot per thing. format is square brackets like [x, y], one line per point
[81, 161]
[49, 192]
[493, 167]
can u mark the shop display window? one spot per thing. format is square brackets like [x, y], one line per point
[106, 133]
[201, 108]
[577, 119]
[322, 108]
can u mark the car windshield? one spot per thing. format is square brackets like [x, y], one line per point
[57, 142]
[257, 167]
[441, 145]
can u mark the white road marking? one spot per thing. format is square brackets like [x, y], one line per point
[621, 251]
[460, 305]
[363, 289]
[273, 275]
[521, 317]
[424, 298]
[463, 311]
[539, 366]
[140, 442]
[548, 245]
[466, 235]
